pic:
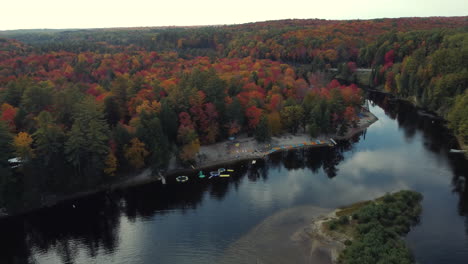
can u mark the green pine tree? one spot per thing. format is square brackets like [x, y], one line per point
[263, 130]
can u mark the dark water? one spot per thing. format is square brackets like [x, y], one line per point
[196, 222]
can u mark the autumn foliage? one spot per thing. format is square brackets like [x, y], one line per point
[157, 93]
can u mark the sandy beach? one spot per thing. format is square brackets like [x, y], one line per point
[293, 235]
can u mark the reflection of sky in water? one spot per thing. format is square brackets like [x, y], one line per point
[385, 161]
[375, 166]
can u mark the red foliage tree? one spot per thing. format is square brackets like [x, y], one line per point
[253, 114]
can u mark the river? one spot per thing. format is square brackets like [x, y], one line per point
[203, 221]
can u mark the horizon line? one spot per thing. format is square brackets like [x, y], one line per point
[222, 25]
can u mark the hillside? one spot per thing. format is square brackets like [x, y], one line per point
[92, 104]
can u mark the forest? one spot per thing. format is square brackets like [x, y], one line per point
[376, 228]
[81, 107]
[430, 68]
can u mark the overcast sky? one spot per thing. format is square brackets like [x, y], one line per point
[26, 14]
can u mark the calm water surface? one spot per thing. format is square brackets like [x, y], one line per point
[199, 221]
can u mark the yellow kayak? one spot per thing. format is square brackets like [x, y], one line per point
[224, 175]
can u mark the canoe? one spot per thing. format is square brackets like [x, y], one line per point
[182, 178]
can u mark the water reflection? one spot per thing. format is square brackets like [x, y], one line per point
[196, 222]
[91, 225]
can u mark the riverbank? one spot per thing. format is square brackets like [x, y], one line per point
[423, 112]
[334, 242]
[222, 153]
[247, 148]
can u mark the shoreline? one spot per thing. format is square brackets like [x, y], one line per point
[334, 242]
[247, 149]
[425, 113]
[215, 153]
[302, 234]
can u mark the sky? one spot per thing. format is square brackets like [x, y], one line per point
[33, 14]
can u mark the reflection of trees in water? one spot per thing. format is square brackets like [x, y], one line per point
[313, 158]
[147, 200]
[95, 221]
[437, 139]
[93, 224]
[460, 186]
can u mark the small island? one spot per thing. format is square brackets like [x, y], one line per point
[370, 231]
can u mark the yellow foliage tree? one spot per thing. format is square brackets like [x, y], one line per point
[149, 107]
[190, 150]
[22, 143]
[136, 153]
[111, 164]
[275, 123]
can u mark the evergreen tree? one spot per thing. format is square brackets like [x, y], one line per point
[234, 112]
[263, 130]
[6, 152]
[75, 146]
[6, 143]
[48, 139]
[87, 143]
[37, 97]
[152, 135]
[119, 90]
[169, 120]
[111, 108]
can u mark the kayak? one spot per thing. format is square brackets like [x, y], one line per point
[224, 175]
[181, 178]
[230, 170]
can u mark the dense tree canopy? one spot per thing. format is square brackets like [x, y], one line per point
[88, 98]
[428, 67]
[376, 228]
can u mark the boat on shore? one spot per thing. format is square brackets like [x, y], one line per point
[182, 178]
[457, 150]
[214, 174]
